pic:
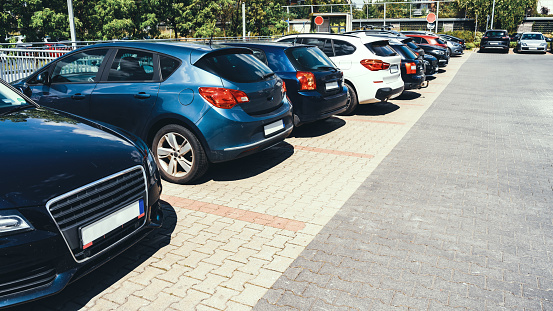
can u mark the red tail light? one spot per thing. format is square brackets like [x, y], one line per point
[283, 87]
[223, 98]
[375, 64]
[307, 80]
[484, 37]
[411, 68]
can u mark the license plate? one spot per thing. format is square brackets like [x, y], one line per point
[273, 127]
[394, 68]
[494, 43]
[111, 222]
[533, 48]
[331, 85]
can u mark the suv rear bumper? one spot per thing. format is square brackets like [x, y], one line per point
[387, 92]
[310, 108]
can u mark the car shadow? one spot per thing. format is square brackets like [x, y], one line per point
[408, 95]
[430, 78]
[441, 70]
[248, 166]
[376, 109]
[77, 294]
[318, 128]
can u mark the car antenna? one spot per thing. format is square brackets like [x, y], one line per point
[298, 34]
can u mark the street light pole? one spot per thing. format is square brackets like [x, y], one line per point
[493, 9]
[72, 23]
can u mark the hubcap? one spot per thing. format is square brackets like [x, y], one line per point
[175, 155]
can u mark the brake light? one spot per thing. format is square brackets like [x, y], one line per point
[484, 37]
[411, 68]
[223, 98]
[307, 80]
[375, 64]
[283, 87]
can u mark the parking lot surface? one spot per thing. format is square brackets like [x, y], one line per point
[378, 210]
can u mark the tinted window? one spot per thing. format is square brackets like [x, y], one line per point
[532, 36]
[324, 44]
[404, 52]
[412, 45]
[131, 65]
[342, 48]
[496, 33]
[381, 48]
[440, 41]
[309, 59]
[278, 62]
[79, 67]
[259, 54]
[241, 68]
[417, 39]
[168, 66]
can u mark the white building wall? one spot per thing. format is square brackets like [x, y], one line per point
[546, 3]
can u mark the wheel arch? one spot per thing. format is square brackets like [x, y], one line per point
[167, 120]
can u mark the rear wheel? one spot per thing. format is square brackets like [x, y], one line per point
[179, 154]
[352, 101]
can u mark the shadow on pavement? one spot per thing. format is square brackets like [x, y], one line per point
[318, 128]
[376, 109]
[409, 95]
[248, 166]
[430, 78]
[441, 70]
[79, 293]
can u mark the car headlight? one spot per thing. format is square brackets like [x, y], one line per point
[524, 44]
[438, 52]
[12, 221]
[543, 44]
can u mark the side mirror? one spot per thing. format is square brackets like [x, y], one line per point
[42, 78]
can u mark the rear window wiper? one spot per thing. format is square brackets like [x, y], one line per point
[267, 75]
[327, 67]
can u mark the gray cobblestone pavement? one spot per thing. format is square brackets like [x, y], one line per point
[457, 216]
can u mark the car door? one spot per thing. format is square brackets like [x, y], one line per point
[70, 83]
[128, 90]
[343, 50]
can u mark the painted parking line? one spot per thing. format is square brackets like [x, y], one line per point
[327, 151]
[235, 213]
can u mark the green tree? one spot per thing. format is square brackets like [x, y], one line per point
[508, 13]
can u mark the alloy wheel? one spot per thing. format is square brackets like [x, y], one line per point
[175, 154]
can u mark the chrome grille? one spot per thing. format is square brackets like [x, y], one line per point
[92, 202]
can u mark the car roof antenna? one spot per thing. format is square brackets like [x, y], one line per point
[298, 34]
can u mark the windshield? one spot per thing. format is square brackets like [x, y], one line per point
[405, 52]
[9, 98]
[412, 45]
[532, 36]
[307, 59]
[235, 67]
[495, 34]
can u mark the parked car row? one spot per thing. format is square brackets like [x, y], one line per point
[525, 42]
[84, 185]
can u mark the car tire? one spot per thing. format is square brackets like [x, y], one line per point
[179, 154]
[352, 101]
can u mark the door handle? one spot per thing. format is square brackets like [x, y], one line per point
[142, 95]
[78, 96]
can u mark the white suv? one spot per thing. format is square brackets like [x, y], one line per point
[372, 70]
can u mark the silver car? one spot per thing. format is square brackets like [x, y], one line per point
[532, 42]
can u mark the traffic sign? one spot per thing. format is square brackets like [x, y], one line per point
[431, 17]
[430, 25]
[319, 20]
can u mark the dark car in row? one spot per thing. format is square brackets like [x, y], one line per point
[495, 39]
[412, 67]
[73, 194]
[192, 104]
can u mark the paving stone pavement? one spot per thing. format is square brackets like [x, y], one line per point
[457, 216]
[237, 235]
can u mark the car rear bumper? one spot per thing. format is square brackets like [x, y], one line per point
[413, 82]
[488, 45]
[312, 106]
[387, 92]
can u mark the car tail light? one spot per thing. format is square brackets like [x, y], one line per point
[411, 68]
[506, 38]
[484, 37]
[283, 87]
[223, 98]
[375, 64]
[307, 80]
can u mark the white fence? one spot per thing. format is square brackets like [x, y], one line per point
[18, 63]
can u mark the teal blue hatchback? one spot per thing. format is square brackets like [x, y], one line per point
[192, 104]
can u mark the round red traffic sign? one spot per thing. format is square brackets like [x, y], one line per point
[319, 20]
[431, 17]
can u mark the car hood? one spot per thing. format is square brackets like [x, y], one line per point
[47, 153]
[533, 42]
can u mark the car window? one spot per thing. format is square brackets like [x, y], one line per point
[79, 67]
[309, 59]
[417, 39]
[532, 36]
[235, 67]
[404, 52]
[278, 62]
[381, 48]
[39, 78]
[324, 44]
[168, 66]
[259, 54]
[297, 40]
[440, 41]
[132, 65]
[495, 34]
[342, 48]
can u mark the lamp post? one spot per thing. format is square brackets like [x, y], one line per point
[493, 9]
[72, 23]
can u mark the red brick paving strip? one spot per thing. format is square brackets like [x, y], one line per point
[372, 121]
[329, 151]
[235, 213]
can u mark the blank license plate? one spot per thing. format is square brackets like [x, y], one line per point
[331, 85]
[394, 68]
[273, 127]
[111, 222]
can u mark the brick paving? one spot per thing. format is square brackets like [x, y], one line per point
[457, 216]
[295, 226]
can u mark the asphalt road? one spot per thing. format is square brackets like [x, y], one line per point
[458, 215]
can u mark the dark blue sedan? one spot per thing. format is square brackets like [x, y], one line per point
[192, 104]
[73, 194]
[314, 84]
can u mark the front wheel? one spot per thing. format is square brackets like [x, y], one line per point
[179, 154]
[352, 101]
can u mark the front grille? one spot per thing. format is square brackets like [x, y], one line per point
[26, 278]
[92, 202]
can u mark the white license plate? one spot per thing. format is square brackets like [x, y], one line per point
[394, 68]
[331, 85]
[111, 222]
[532, 48]
[494, 43]
[273, 127]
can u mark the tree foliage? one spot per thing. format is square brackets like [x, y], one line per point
[508, 13]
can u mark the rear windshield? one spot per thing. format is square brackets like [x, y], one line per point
[309, 59]
[412, 45]
[381, 48]
[440, 41]
[532, 36]
[240, 68]
[404, 52]
[496, 34]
